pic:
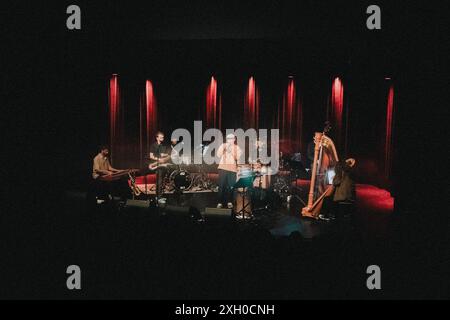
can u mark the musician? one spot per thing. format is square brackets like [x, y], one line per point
[344, 188]
[157, 149]
[159, 154]
[343, 181]
[102, 168]
[229, 154]
[260, 148]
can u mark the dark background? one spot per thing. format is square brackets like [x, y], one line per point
[54, 87]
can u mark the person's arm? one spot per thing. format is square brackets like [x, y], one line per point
[164, 157]
[165, 154]
[349, 164]
[110, 168]
[153, 157]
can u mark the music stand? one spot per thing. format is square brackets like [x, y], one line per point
[245, 183]
[297, 171]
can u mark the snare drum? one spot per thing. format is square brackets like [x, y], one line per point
[263, 177]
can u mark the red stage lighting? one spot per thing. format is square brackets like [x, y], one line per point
[337, 105]
[114, 105]
[213, 112]
[251, 105]
[389, 124]
[151, 111]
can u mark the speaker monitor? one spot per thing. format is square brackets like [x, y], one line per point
[137, 203]
[218, 213]
[190, 213]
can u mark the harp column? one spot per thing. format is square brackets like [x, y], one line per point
[317, 141]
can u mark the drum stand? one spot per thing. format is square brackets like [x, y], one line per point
[245, 203]
[245, 184]
[296, 188]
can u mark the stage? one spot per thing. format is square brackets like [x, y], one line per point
[370, 217]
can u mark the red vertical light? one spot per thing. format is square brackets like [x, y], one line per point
[114, 103]
[213, 105]
[389, 123]
[220, 113]
[337, 104]
[290, 103]
[251, 105]
[151, 110]
[290, 121]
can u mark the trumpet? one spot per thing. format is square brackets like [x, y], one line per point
[134, 188]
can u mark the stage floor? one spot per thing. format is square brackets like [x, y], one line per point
[370, 217]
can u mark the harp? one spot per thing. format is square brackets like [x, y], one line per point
[325, 159]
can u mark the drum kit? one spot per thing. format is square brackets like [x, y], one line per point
[186, 176]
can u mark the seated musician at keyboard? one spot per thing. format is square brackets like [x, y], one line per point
[102, 170]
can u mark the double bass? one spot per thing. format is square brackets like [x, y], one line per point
[325, 160]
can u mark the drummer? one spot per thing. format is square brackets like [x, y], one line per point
[255, 161]
[262, 171]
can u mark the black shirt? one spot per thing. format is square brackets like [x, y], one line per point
[157, 149]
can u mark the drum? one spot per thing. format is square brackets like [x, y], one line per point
[181, 179]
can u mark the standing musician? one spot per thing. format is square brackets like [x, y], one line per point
[102, 171]
[229, 153]
[159, 155]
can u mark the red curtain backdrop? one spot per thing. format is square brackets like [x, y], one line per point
[389, 123]
[337, 106]
[151, 112]
[114, 112]
[290, 118]
[251, 105]
[213, 112]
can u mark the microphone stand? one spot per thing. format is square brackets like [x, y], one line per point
[157, 174]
